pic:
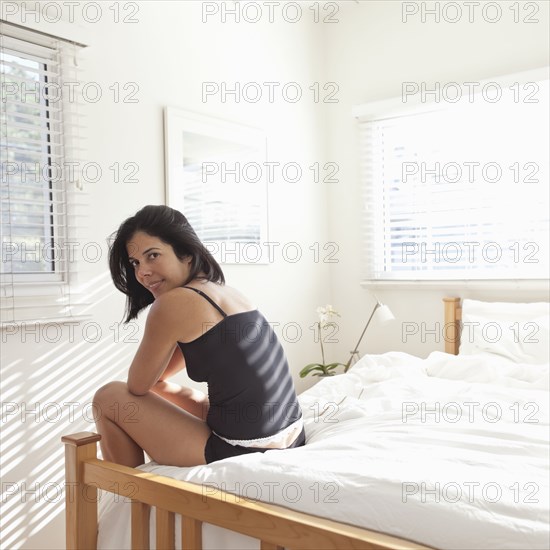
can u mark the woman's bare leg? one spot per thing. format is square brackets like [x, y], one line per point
[191, 400]
[130, 424]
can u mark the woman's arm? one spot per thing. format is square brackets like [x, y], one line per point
[157, 348]
[159, 357]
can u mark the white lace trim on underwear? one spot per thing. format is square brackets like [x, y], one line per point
[280, 440]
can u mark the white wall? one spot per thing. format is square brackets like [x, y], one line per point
[169, 53]
[370, 53]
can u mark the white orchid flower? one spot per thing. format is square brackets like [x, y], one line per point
[325, 313]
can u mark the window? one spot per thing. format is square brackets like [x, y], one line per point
[457, 191]
[38, 125]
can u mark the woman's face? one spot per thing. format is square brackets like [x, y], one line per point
[156, 266]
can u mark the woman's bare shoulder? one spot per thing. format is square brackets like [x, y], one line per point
[172, 303]
[181, 299]
[182, 313]
[234, 300]
[227, 297]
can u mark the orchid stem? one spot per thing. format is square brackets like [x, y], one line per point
[321, 341]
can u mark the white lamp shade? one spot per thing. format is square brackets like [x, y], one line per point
[384, 315]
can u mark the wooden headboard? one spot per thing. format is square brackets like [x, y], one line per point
[451, 329]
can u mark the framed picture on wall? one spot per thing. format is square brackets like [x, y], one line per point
[216, 176]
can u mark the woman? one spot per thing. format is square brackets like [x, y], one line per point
[198, 323]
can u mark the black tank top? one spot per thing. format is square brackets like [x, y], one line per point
[250, 388]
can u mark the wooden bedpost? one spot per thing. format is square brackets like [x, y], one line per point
[451, 329]
[80, 499]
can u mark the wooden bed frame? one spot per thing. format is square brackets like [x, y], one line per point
[452, 328]
[275, 526]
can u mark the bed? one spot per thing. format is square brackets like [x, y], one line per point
[447, 452]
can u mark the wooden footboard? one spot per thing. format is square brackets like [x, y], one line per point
[275, 526]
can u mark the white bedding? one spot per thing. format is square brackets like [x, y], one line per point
[472, 473]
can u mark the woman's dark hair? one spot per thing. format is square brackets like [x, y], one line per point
[171, 227]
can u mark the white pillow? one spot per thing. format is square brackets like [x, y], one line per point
[517, 331]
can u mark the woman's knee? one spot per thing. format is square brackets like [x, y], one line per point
[109, 394]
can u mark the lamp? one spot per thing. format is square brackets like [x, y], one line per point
[383, 316]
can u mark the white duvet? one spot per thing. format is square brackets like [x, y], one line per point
[449, 451]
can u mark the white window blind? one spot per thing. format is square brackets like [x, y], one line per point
[41, 194]
[457, 191]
